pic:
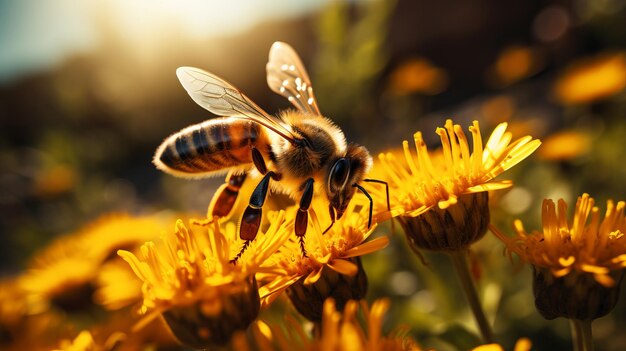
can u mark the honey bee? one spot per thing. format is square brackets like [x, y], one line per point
[299, 152]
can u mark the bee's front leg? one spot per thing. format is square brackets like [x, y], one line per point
[302, 217]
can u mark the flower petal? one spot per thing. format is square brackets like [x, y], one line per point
[313, 277]
[497, 185]
[344, 267]
[368, 247]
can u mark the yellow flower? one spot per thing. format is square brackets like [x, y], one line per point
[596, 248]
[418, 75]
[420, 183]
[448, 191]
[64, 273]
[332, 267]
[339, 331]
[565, 145]
[513, 64]
[117, 286]
[584, 257]
[190, 281]
[84, 341]
[522, 344]
[592, 79]
[22, 326]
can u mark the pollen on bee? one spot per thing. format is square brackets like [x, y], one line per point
[284, 67]
[285, 83]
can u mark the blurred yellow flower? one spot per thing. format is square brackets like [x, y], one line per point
[117, 286]
[84, 341]
[592, 79]
[513, 64]
[64, 273]
[190, 281]
[565, 145]
[24, 327]
[340, 331]
[332, 267]
[418, 75]
[522, 344]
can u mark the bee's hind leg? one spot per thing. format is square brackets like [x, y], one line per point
[227, 194]
[302, 217]
[225, 197]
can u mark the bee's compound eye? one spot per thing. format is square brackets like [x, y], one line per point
[339, 173]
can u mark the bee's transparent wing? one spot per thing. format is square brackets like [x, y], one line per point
[223, 99]
[287, 76]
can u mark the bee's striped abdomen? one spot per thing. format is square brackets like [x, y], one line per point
[211, 146]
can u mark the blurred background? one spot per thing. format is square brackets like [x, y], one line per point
[88, 91]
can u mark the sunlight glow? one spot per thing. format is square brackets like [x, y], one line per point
[197, 18]
[38, 34]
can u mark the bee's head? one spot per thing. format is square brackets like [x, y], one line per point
[343, 174]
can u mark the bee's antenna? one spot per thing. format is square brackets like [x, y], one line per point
[393, 229]
[369, 221]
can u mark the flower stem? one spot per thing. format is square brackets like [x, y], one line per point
[459, 259]
[581, 335]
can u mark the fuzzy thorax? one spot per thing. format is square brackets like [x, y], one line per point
[325, 143]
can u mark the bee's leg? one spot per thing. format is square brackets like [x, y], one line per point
[251, 219]
[224, 198]
[227, 195]
[302, 217]
[259, 162]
